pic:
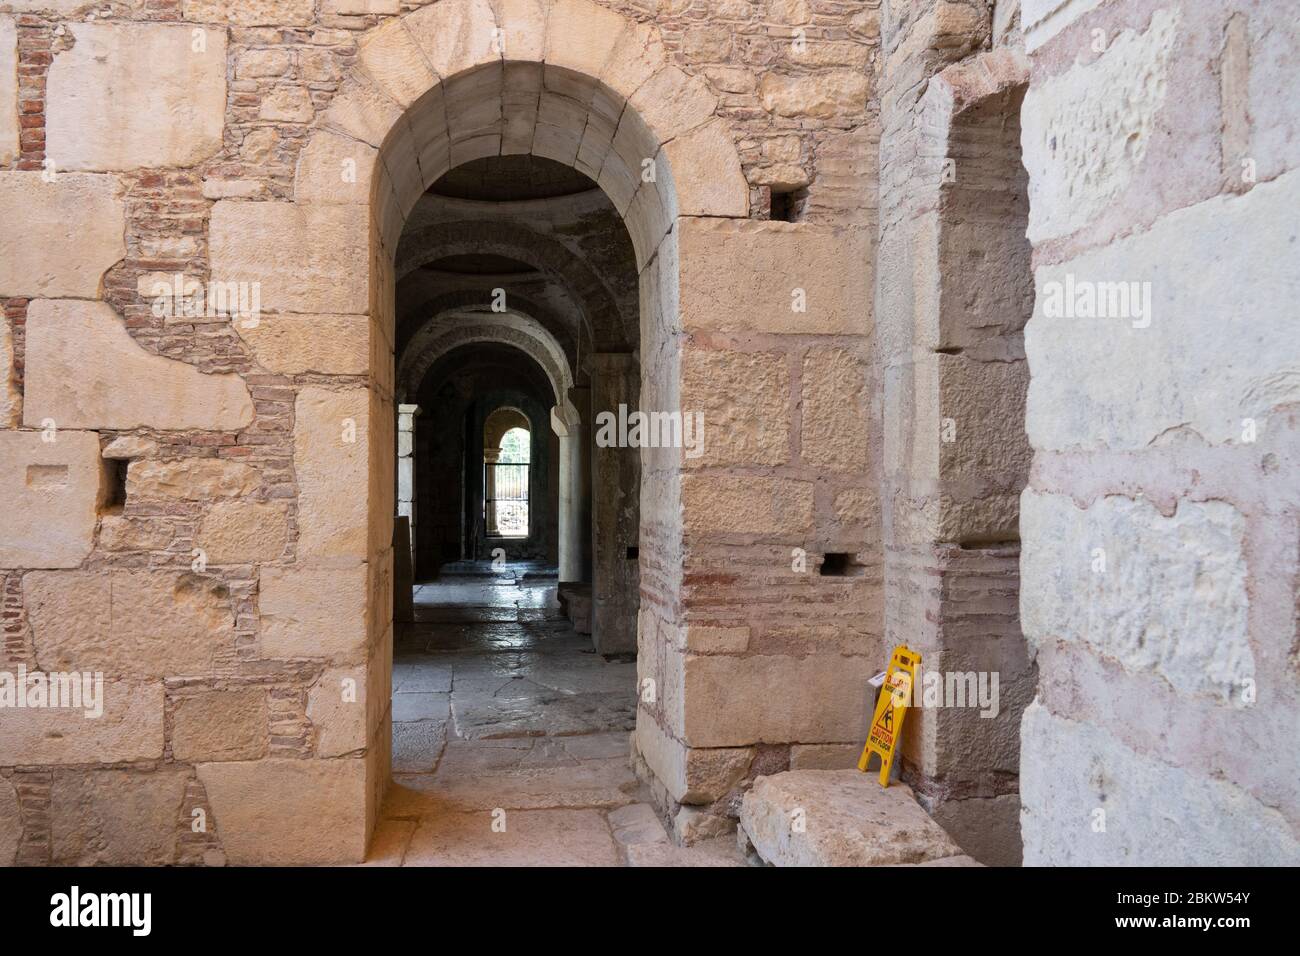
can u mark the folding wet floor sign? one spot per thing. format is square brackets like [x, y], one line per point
[891, 708]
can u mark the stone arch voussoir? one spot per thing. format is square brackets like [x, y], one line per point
[453, 329]
[413, 106]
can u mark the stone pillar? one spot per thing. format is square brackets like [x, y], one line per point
[952, 356]
[568, 427]
[580, 397]
[490, 456]
[406, 491]
[760, 620]
[969, 458]
[616, 480]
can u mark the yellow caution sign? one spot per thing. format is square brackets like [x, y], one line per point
[891, 708]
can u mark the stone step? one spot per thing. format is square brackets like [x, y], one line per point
[638, 829]
[841, 818]
[575, 599]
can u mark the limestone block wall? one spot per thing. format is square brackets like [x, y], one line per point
[953, 292]
[1160, 523]
[200, 508]
[215, 499]
[787, 476]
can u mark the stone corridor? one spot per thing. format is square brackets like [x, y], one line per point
[781, 334]
[502, 713]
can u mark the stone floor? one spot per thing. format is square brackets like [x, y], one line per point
[510, 738]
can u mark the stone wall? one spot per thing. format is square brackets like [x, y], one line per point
[1160, 524]
[202, 508]
[211, 525]
[954, 291]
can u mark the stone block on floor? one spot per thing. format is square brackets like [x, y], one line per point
[839, 818]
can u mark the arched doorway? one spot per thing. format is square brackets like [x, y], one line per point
[516, 319]
[730, 311]
[449, 84]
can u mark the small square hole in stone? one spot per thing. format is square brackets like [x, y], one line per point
[115, 483]
[633, 553]
[788, 205]
[839, 564]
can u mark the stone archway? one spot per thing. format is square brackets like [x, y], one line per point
[754, 324]
[448, 330]
[599, 310]
[437, 87]
[457, 327]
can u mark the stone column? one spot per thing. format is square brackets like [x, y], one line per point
[567, 425]
[580, 397]
[490, 456]
[616, 511]
[406, 415]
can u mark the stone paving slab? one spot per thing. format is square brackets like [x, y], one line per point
[721, 851]
[607, 783]
[418, 745]
[494, 714]
[420, 706]
[637, 824]
[597, 746]
[530, 838]
[428, 617]
[485, 756]
[422, 675]
[484, 716]
[388, 845]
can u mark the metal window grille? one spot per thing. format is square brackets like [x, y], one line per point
[505, 499]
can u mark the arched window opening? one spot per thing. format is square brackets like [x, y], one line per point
[505, 475]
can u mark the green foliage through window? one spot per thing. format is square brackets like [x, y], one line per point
[514, 447]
